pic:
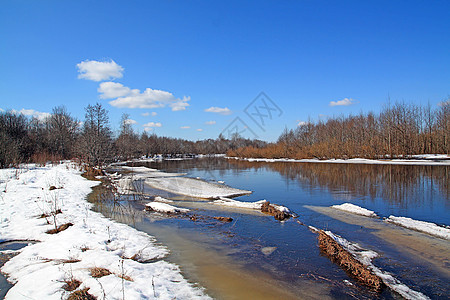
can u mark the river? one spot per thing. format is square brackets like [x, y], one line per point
[257, 257]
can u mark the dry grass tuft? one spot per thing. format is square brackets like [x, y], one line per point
[344, 259]
[81, 295]
[126, 277]
[60, 228]
[276, 213]
[71, 285]
[97, 272]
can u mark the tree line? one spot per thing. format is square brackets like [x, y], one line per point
[399, 130]
[62, 136]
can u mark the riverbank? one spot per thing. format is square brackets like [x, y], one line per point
[78, 251]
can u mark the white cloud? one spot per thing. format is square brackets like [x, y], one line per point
[185, 127]
[152, 124]
[111, 90]
[219, 110]
[302, 123]
[99, 70]
[133, 98]
[146, 114]
[33, 113]
[147, 129]
[210, 122]
[130, 121]
[1, 109]
[343, 102]
[199, 129]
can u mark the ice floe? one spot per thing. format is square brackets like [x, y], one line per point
[355, 209]
[194, 187]
[165, 208]
[421, 226]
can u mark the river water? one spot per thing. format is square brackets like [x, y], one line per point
[257, 257]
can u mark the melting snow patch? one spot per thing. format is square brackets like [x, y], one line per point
[165, 208]
[39, 270]
[355, 209]
[194, 187]
[240, 204]
[425, 227]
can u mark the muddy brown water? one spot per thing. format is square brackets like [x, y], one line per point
[257, 257]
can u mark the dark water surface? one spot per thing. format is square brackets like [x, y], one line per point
[256, 256]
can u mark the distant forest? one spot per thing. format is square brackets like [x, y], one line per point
[398, 130]
[62, 136]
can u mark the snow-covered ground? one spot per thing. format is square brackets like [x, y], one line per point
[355, 209]
[165, 208]
[425, 227]
[365, 257]
[426, 159]
[194, 187]
[135, 260]
[248, 205]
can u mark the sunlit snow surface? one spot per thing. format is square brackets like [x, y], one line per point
[39, 270]
[194, 187]
[352, 208]
[425, 227]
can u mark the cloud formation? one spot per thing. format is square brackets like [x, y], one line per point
[152, 124]
[133, 98]
[185, 127]
[146, 114]
[99, 70]
[219, 110]
[130, 121]
[343, 102]
[199, 129]
[33, 113]
[210, 122]
[302, 123]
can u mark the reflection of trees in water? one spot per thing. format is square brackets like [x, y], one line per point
[116, 207]
[396, 183]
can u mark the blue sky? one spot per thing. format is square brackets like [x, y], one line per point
[192, 56]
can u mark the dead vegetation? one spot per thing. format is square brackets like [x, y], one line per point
[269, 209]
[345, 260]
[71, 285]
[97, 272]
[81, 295]
[59, 228]
[91, 172]
[56, 212]
[223, 219]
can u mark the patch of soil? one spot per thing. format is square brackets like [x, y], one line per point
[273, 211]
[224, 219]
[71, 285]
[346, 261]
[81, 295]
[99, 272]
[60, 228]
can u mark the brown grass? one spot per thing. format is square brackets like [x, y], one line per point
[81, 295]
[60, 228]
[347, 262]
[97, 272]
[71, 285]
[224, 219]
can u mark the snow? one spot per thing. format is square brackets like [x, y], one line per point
[194, 187]
[421, 226]
[239, 204]
[365, 257]
[161, 199]
[352, 208]
[39, 270]
[165, 208]
[428, 159]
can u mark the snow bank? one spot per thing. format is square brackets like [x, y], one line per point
[425, 160]
[194, 187]
[165, 208]
[39, 270]
[365, 257]
[425, 227]
[355, 209]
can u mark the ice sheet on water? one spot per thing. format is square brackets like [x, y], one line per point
[194, 187]
[425, 227]
[352, 208]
